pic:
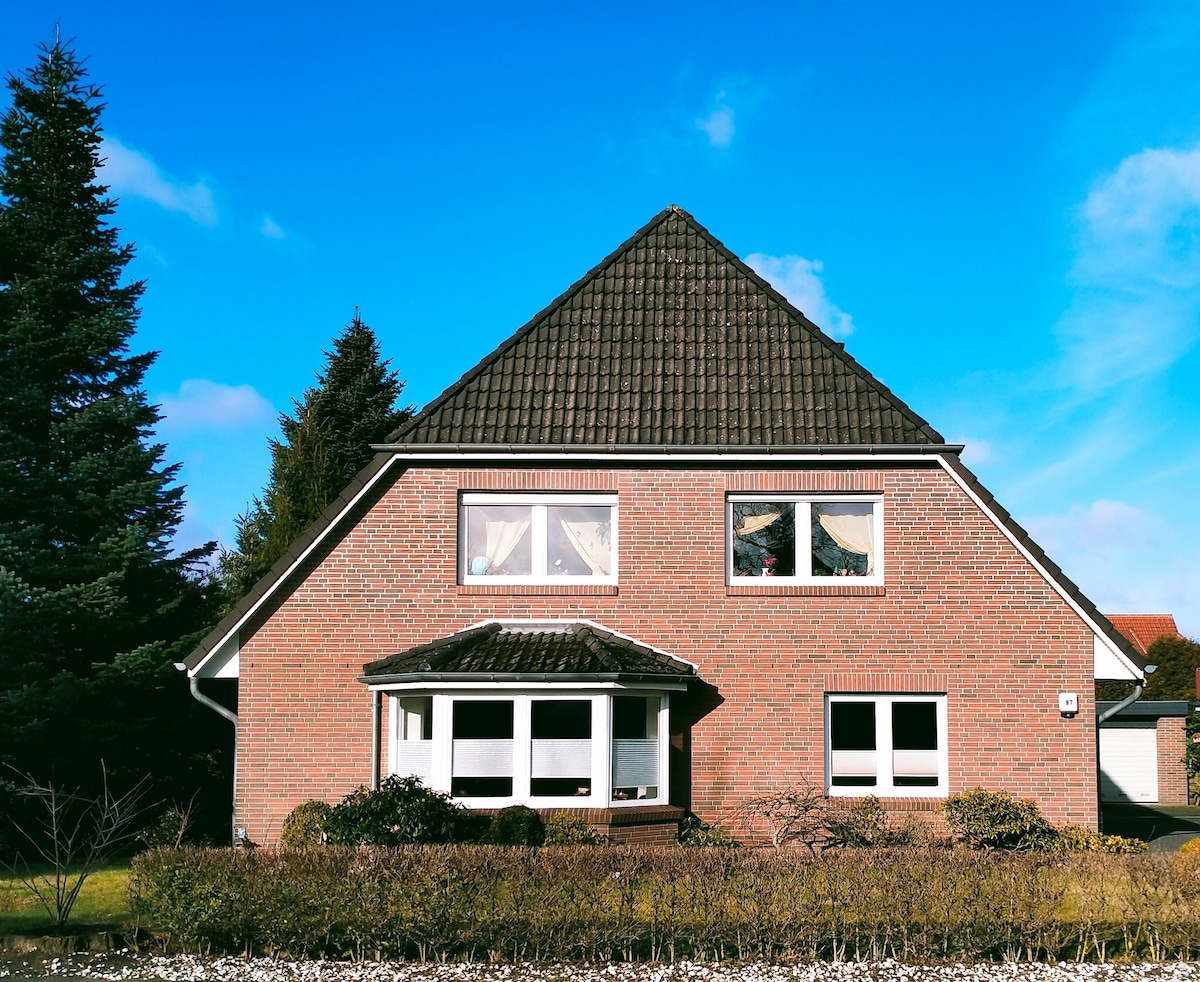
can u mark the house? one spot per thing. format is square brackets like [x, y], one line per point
[1143, 746]
[665, 548]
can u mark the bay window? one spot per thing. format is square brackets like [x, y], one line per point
[546, 747]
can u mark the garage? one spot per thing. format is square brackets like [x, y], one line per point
[1128, 761]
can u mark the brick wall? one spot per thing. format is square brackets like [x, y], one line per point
[959, 606]
[1172, 769]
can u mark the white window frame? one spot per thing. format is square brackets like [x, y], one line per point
[885, 786]
[538, 503]
[442, 744]
[803, 521]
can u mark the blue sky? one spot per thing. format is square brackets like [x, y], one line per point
[995, 205]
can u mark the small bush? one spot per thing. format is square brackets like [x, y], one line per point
[570, 830]
[1190, 848]
[1075, 838]
[304, 826]
[996, 820]
[694, 833]
[402, 811]
[516, 825]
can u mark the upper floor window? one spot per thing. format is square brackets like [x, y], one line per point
[537, 538]
[804, 540]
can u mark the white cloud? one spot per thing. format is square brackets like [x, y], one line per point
[1137, 272]
[201, 404]
[131, 173]
[797, 279]
[269, 229]
[718, 125]
[1126, 560]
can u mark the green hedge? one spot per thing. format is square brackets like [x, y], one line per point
[493, 903]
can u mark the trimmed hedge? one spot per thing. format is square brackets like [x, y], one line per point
[494, 903]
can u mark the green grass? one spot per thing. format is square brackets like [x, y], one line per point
[101, 904]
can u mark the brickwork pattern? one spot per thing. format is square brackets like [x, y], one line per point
[1172, 765]
[960, 609]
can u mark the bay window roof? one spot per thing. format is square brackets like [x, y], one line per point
[530, 651]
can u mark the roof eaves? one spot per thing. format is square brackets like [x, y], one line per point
[1091, 613]
[564, 677]
[279, 572]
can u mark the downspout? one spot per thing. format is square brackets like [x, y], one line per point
[376, 719]
[1128, 701]
[229, 714]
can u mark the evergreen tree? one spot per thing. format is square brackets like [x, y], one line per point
[1177, 659]
[324, 444]
[93, 605]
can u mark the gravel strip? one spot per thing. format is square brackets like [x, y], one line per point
[122, 966]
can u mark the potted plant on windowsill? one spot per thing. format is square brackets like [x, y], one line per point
[768, 567]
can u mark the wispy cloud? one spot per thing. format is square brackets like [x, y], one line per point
[799, 280]
[1136, 274]
[1125, 559]
[718, 124]
[131, 173]
[201, 404]
[268, 228]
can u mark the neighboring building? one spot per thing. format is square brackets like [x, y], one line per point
[667, 547]
[1143, 747]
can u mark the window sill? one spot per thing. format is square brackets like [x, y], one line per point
[840, 589]
[538, 589]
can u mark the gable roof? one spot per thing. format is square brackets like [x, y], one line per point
[671, 341]
[542, 651]
[1143, 630]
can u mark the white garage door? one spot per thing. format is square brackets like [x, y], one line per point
[1129, 762]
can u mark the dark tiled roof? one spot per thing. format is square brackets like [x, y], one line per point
[671, 341]
[496, 650]
[1144, 629]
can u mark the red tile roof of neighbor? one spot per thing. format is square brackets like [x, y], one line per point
[1143, 630]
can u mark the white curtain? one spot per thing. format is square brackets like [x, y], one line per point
[586, 539]
[850, 529]
[502, 539]
[756, 523]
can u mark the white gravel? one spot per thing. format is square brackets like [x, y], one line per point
[123, 965]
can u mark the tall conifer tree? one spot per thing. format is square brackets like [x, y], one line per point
[323, 445]
[93, 605]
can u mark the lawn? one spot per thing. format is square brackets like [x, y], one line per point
[101, 904]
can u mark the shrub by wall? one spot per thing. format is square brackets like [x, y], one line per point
[503, 903]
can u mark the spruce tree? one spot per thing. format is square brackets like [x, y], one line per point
[93, 604]
[323, 445]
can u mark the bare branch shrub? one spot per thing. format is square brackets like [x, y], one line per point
[795, 813]
[72, 834]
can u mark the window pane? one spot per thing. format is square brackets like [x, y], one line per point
[635, 717]
[764, 538]
[852, 725]
[843, 539]
[481, 787]
[579, 540]
[914, 726]
[498, 540]
[483, 720]
[560, 719]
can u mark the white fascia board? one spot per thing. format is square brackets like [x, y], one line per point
[510, 456]
[202, 668]
[559, 688]
[222, 662]
[1123, 664]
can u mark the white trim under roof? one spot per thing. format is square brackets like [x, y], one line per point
[1106, 657]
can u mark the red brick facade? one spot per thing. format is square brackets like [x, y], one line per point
[961, 612]
[1172, 765]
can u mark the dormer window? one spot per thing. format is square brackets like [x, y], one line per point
[537, 538]
[798, 539]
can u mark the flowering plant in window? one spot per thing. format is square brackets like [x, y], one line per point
[769, 565]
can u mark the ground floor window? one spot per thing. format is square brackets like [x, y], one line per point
[543, 748]
[886, 745]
